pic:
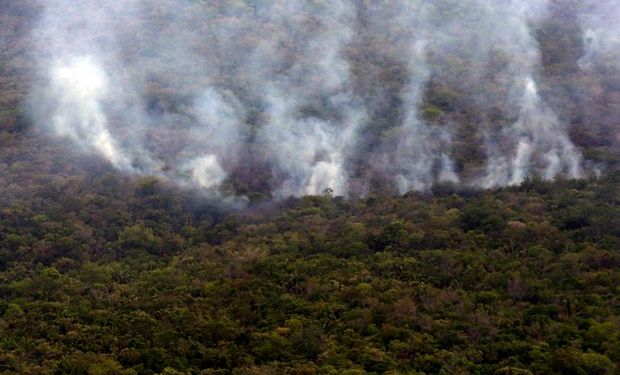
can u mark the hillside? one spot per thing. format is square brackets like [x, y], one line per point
[309, 187]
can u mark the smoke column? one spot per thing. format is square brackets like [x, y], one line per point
[81, 92]
[600, 23]
[414, 154]
[98, 57]
[83, 86]
[312, 114]
[600, 69]
[214, 95]
[500, 58]
[542, 143]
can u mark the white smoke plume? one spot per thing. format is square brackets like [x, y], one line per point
[600, 21]
[81, 87]
[98, 57]
[491, 33]
[543, 145]
[414, 154]
[600, 69]
[297, 93]
[312, 114]
[85, 91]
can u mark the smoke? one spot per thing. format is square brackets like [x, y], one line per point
[487, 50]
[600, 22]
[493, 43]
[600, 69]
[542, 145]
[78, 113]
[414, 154]
[306, 96]
[99, 58]
[84, 91]
[312, 114]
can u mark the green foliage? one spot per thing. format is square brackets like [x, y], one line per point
[494, 283]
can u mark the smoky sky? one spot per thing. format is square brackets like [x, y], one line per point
[293, 93]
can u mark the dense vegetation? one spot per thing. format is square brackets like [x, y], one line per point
[128, 280]
[101, 273]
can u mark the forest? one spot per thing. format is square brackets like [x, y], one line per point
[114, 269]
[113, 276]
